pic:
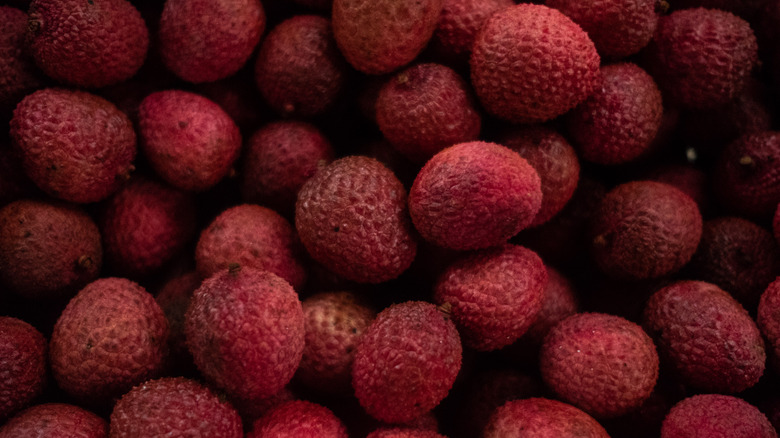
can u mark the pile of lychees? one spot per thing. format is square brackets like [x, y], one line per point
[389, 218]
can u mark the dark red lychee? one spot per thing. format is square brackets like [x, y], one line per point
[400, 432]
[55, 420]
[22, 365]
[768, 320]
[542, 418]
[18, 75]
[716, 416]
[299, 419]
[459, 22]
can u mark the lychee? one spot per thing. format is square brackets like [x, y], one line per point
[55, 420]
[298, 419]
[768, 320]
[459, 22]
[716, 416]
[22, 365]
[18, 75]
[541, 418]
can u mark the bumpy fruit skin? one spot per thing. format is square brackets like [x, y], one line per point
[47, 250]
[706, 336]
[426, 108]
[379, 36]
[645, 229]
[174, 406]
[459, 22]
[603, 364]
[55, 420]
[716, 416]
[398, 432]
[352, 218]
[474, 195]
[299, 419]
[531, 63]
[111, 336]
[85, 162]
[493, 295]
[244, 328]
[17, 70]
[22, 365]
[208, 40]
[407, 362]
[559, 302]
[541, 418]
[768, 320]
[190, 141]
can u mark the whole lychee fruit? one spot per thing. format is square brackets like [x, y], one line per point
[18, 75]
[768, 320]
[541, 418]
[22, 365]
[299, 419]
[55, 420]
[716, 416]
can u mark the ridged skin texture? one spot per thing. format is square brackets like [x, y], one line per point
[459, 22]
[542, 418]
[144, 225]
[559, 302]
[87, 44]
[299, 70]
[208, 40]
[768, 320]
[22, 365]
[252, 236]
[426, 108]
[397, 432]
[111, 336]
[702, 57]
[17, 69]
[174, 299]
[706, 336]
[603, 364]
[494, 295]
[619, 121]
[379, 36]
[190, 141]
[645, 229]
[245, 330]
[531, 63]
[174, 406]
[298, 419]
[407, 362]
[74, 145]
[474, 195]
[716, 416]
[55, 420]
[352, 218]
[47, 250]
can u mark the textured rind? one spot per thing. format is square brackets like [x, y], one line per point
[47, 250]
[603, 364]
[189, 140]
[716, 416]
[298, 419]
[55, 420]
[245, 331]
[768, 320]
[173, 406]
[379, 36]
[426, 108]
[17, 69]
[111, 336]
[207, 40]
[74, 145]
[299, 70]
[541, 418]
[87, 44]
[398, 432]
[645, 229]
[474, 195]
[459, 22]
[494, 295]
[619, 121]
[531, 63]
[22, 365]
[352, 218]
[705, 336]
[559, 302]
[407, 362]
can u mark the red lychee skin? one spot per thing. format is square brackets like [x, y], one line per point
[17, 70]
[278, 159]
[22, 365]
[55, 420]
[768, 320]
[541, 418]
[701, 58]
[706, 336]
[426, 108]
[474, 195]
[174, 299]
[299, 419]
[459, 22]
[407, 362]
[689, 179]
[74, 145]
[603, 364]
[244, 328]
[645, 229]
[531, 63]
[251, 236]
[47, 250]
[352, 218]
[381, 36]
[559, 302]
[619, 121]
[716, 416]
[190, 141]
[174, 406]
[299, 70]
[111, 336]
[555, 161]
[397, 432]
[494, 295]
[208, 40]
